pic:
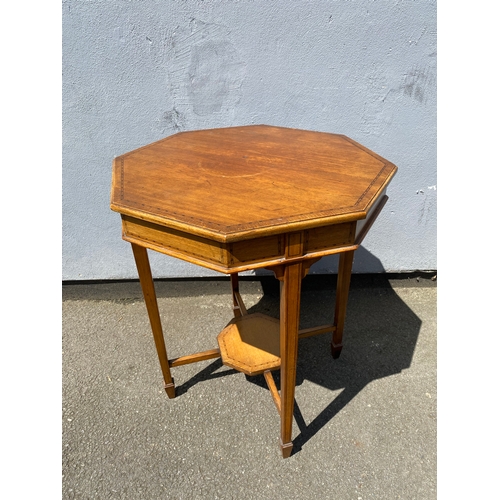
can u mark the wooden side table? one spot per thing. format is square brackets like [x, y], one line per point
[243, 198]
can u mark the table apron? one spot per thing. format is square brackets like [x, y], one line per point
[228, 258]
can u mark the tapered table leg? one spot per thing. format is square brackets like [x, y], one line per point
[289, 336]
[148, 290]
[343, 281]
[235, 288]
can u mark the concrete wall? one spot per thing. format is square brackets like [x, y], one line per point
[137, 71]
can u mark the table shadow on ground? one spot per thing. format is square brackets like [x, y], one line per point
[380, 335]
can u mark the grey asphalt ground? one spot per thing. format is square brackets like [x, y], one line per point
[364, 426]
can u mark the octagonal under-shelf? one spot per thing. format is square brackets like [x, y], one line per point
[251, 344]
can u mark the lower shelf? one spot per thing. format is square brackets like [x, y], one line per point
[251, 344]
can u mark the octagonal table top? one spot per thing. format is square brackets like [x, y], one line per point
[226, 184]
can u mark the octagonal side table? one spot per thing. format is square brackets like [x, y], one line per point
[244, 198]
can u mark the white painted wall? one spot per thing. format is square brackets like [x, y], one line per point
[137, 71]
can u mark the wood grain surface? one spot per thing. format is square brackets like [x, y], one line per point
[237, 183]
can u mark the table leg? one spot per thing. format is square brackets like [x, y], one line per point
[235, 288]
[289, 328]
[343, 282]
[148, 290]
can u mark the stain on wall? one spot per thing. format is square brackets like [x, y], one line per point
[417, 82]
[377, 114]
[206, 71]
[174, 120]
[214, 76]
[428, 204]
